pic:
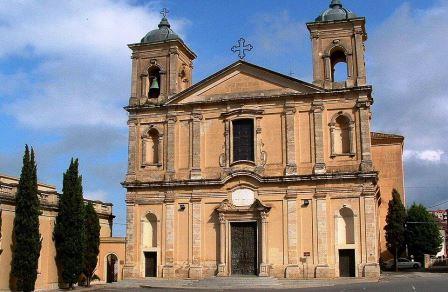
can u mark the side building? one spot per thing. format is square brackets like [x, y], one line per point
[112, 249]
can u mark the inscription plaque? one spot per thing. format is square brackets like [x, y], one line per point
[243, 197]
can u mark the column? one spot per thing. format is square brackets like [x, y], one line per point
[195, 271]
[264, 267]
[222, 246]
[129, 267]
[195, 172]
[291, 166]
[363, 105]
[322, 269]
[319, 166]
[171, 122]
[168, 269]
[292, 271]
[371, 268]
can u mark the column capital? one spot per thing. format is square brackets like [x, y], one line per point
[317, 106]
[195, 116]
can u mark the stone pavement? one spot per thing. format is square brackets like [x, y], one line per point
[225, 283]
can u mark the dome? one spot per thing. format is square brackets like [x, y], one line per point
[336, 12]
[162, 34]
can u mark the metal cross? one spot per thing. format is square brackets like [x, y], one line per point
[242, 48]
[164, 12]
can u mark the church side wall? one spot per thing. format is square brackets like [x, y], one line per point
[388, 160]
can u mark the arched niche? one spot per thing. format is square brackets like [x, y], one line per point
[149, 232]
[341, 135]
[152, 146]
[346, 226]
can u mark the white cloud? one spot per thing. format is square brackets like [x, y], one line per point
[425, 155]
[81, 64]
[96, 195]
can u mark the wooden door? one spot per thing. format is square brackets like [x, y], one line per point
[347, 263]
[150, 264]
[244, 248]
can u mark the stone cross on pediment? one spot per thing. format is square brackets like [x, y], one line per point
[241, 48]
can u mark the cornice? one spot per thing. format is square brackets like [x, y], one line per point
[260, 179]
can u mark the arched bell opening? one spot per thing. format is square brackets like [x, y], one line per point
[154, 82]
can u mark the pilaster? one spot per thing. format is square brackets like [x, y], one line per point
[195, 271]
[322, 268]
[171, 122]
[291, 166]
[173, 71]
[371, 268]
[129, 267]
[132, 148]
[363, 105]
[292, 270]
[195, 172]
[318, 108]
[168, 270]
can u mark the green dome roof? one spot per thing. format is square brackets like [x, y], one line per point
[336, 12]
[162, 34]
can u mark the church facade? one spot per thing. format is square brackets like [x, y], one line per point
[251, 172]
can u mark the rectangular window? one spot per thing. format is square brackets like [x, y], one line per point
[243, 140]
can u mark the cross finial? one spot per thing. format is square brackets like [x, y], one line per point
[164, 12]
[242, 48]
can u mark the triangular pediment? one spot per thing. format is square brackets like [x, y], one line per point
[242, 79]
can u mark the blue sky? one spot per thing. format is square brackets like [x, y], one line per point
[65, 76]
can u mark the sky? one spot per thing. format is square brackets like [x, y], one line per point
[65, 77]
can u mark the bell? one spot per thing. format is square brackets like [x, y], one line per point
[154, 84]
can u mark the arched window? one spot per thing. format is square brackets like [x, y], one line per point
[154, 82]
[150, 231]
[346, 226]
[339, 68]
[341, 129]
[151, 147]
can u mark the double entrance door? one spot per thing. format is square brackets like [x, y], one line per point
[244, 248]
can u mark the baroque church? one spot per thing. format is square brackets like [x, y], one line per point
[252, 172]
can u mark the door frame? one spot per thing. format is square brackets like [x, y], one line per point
[257, 243]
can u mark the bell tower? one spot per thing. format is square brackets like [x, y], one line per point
[162, 66]
[338, 37]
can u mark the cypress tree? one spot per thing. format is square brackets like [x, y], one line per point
[26, 237]
[92, 245]
[395, 226]
[422, 232]
[69, 231]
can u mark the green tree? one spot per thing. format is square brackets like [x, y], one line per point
[69, 231]
[26, 237]
[395, 226]
[92, 245]
[422, 232]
